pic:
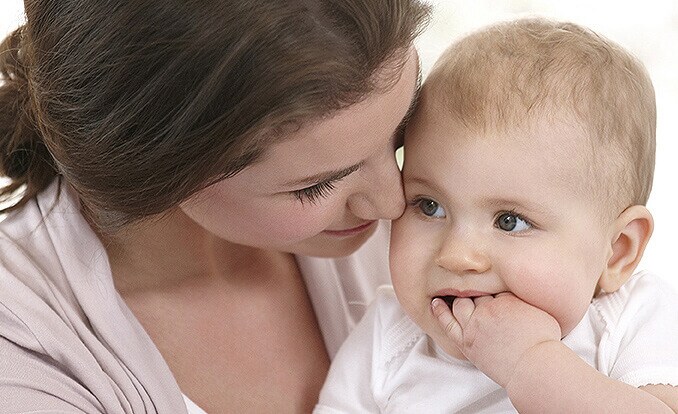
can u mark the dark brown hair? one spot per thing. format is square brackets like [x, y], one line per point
[139, 104]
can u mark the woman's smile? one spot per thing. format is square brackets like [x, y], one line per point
[351, 231]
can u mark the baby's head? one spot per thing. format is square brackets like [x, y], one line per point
[528, 163]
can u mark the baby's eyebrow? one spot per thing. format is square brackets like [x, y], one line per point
[427, 186]
[530, 206]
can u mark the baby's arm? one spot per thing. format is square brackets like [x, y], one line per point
[666, 393]
[518, 346]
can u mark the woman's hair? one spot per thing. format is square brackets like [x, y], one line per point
[139, 104]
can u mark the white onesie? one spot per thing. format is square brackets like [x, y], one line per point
[388, 364]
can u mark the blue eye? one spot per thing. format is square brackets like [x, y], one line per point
[512, 222]
[315, 192]
[430, 208]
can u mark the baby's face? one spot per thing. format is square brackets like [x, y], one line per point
[496, 212]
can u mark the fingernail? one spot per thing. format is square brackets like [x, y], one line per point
[435, 303]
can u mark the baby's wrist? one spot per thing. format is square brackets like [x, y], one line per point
[537, 356]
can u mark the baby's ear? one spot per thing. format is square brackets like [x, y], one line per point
[631, 232]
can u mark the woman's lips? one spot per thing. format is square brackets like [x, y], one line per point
[351, 231]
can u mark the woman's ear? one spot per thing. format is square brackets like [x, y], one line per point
[632, 231]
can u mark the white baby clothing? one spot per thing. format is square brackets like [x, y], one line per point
[389, 365]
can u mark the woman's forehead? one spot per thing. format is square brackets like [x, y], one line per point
[348, 136]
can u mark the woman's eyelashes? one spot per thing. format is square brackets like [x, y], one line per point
[314, 193]
[323, 189]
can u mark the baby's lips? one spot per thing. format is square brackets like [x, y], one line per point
[448, 299]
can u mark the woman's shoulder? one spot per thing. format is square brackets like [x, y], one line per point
[67, 340]
[40, 319]
[37, 299]
[32, 250]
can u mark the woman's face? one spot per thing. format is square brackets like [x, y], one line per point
[320, 190]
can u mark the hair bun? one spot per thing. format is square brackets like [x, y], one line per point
[17, 163]
[24, 158]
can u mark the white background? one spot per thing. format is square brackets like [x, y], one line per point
[649, 29]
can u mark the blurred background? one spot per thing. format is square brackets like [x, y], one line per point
[649, 29]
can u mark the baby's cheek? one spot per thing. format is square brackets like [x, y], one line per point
[555, 292]
[566, 309]
[402, 258]
[408, 276]
[403, 275]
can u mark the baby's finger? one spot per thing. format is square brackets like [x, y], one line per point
[446, 319]
[482, 299]
[462, 309]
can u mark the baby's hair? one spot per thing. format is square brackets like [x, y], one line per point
[509, 74]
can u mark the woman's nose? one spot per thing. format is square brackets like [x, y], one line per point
[463, 254]
[382, 197]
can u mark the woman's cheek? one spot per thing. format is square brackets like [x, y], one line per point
[292, 224]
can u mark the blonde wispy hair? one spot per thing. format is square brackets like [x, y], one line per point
[507, 75]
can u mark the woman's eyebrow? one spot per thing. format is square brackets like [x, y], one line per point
[326, 176]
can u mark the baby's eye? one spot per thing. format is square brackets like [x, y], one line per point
[512, 222]
[430, 208]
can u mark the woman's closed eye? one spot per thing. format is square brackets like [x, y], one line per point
[314, 193]
[324, 187]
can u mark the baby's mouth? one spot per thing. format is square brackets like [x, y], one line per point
[447, 299]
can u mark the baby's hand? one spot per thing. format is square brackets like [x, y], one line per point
[494, 333]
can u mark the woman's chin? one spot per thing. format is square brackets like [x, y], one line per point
[330, 245]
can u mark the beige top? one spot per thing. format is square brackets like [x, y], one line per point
[68, 342]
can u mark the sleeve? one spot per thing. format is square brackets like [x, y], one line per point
[349, 387]
[646, 333]
[29, 383]
[31, 378]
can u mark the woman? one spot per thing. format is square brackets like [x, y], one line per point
[184, 167]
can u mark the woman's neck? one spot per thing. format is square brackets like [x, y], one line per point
[175, 251]
[212, 308]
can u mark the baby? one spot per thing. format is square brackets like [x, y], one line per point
[528, 163]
